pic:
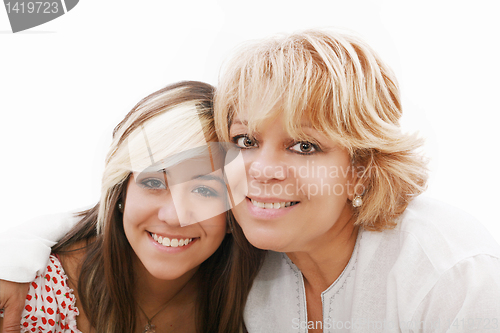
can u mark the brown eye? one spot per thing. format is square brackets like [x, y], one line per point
[304, 147]
[245, 142]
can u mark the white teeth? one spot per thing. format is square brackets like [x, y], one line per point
[271, 205]
[174, 242]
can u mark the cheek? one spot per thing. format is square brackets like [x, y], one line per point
[236, 175]
[137, 208]
[209, 210]
[327, 182]
[243, 219]
[215, 229]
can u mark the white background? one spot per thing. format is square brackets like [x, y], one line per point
[64, 85]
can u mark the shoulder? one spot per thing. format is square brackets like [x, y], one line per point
[447, 234]
[50, 303]
[72, 258]
[437, 232]
[437, 257]
[464, 298]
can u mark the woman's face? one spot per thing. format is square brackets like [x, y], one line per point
[166, 247]
[297, 190]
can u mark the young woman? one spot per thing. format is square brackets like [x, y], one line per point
[156, 254]
[331, 188]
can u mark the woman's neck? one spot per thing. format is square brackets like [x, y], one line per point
[175, 299]
[323, 264]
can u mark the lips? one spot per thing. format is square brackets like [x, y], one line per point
[269, 208]
[171, 241]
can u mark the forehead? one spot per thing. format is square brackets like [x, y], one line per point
[166, 139]
[295, 124]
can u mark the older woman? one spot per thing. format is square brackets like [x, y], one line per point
[331, 188]
[332, 192]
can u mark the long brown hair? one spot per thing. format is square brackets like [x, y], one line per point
[106, 280]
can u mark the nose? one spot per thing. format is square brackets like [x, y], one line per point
[168, 213]
[267, 165]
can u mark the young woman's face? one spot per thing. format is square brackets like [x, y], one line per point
[152, 213]
[297, 190]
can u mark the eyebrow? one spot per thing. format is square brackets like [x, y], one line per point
[306, 124]
[240, 122]
[209, 177]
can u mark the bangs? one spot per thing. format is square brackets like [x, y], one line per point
[289, 78]
[176, 134]
[336, 84]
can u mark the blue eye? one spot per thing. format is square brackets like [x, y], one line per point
[205, 191]
[244, 141]
[154, 184]
[304, 147]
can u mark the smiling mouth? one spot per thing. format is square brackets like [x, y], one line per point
[273, 205]
[170, 242]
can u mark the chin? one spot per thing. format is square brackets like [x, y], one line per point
[167, 273]
[265, 239]
[168, 276]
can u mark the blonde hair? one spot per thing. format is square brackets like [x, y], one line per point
[344, 90]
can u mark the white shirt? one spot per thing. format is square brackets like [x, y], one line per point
[437, 271]
[25, 249]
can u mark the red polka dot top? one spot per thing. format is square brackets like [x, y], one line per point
[50, 303]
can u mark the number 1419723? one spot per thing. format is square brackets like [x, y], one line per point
[32, 7]
[481, 324]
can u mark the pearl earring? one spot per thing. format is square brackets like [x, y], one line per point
[357, 201]
[120, 207]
